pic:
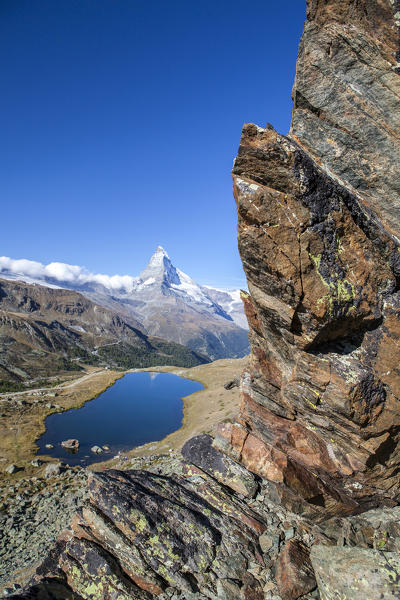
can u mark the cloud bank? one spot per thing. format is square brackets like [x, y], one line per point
[63, 273]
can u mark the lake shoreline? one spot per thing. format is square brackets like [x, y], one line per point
[23, 425]
[59, 496]
[24, 415]
[202, 410]
[139, 408]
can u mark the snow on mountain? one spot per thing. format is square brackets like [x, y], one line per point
[161, 272]
[166, 301]
[231, 303]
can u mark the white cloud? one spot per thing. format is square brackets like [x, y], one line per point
[72, 274]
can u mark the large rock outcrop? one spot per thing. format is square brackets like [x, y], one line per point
[319, 233]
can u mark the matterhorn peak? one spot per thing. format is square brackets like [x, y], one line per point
[159, 258]
[160, 251]
[160, 268]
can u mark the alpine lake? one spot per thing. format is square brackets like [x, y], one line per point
[139, 408]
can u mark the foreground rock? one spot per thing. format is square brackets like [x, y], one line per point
[173, 531]
[294, 573]
[356, 573]
[319, 232]
[200, 452]
[180, 532]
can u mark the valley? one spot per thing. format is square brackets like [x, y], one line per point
[62, 347]
[45, 331]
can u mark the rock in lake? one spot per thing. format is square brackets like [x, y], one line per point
[96, 449]
[72, 445]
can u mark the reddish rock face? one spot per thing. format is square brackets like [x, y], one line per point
[318, 231]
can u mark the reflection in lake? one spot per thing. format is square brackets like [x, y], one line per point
[139, 408]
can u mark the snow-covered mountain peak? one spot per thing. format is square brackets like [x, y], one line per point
[159, 270]
[159, 283]
[159, 255]
[161, 276]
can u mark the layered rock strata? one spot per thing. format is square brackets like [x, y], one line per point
[319, 233]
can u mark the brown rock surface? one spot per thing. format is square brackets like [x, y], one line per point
[318, 224]
[294, 573]
[140, 533]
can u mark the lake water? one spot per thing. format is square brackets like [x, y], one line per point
[139, 408]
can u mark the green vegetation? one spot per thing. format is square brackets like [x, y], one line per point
[85, 357]
[157, 353]
[43, 383]
[68, 365]
[18, 386]
[11, 386]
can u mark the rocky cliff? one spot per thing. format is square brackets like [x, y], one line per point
[314, 457]
[319, 236]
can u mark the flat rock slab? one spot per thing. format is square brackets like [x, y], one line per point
[356, 573]
[200, 452]
[139, 534]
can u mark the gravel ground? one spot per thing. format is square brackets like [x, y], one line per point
[33, 511]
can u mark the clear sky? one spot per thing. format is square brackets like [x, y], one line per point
[120, 120]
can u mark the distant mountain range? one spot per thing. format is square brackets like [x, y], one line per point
[161, 302]
[44, 331]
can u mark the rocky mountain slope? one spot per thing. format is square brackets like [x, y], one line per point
[299, 498]
[231, 303]
[172, 305]
[163, 301]
[44, 331]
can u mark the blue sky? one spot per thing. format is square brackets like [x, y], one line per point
[120, 120]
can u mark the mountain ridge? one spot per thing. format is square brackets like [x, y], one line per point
[163, 301]
[44, 331]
